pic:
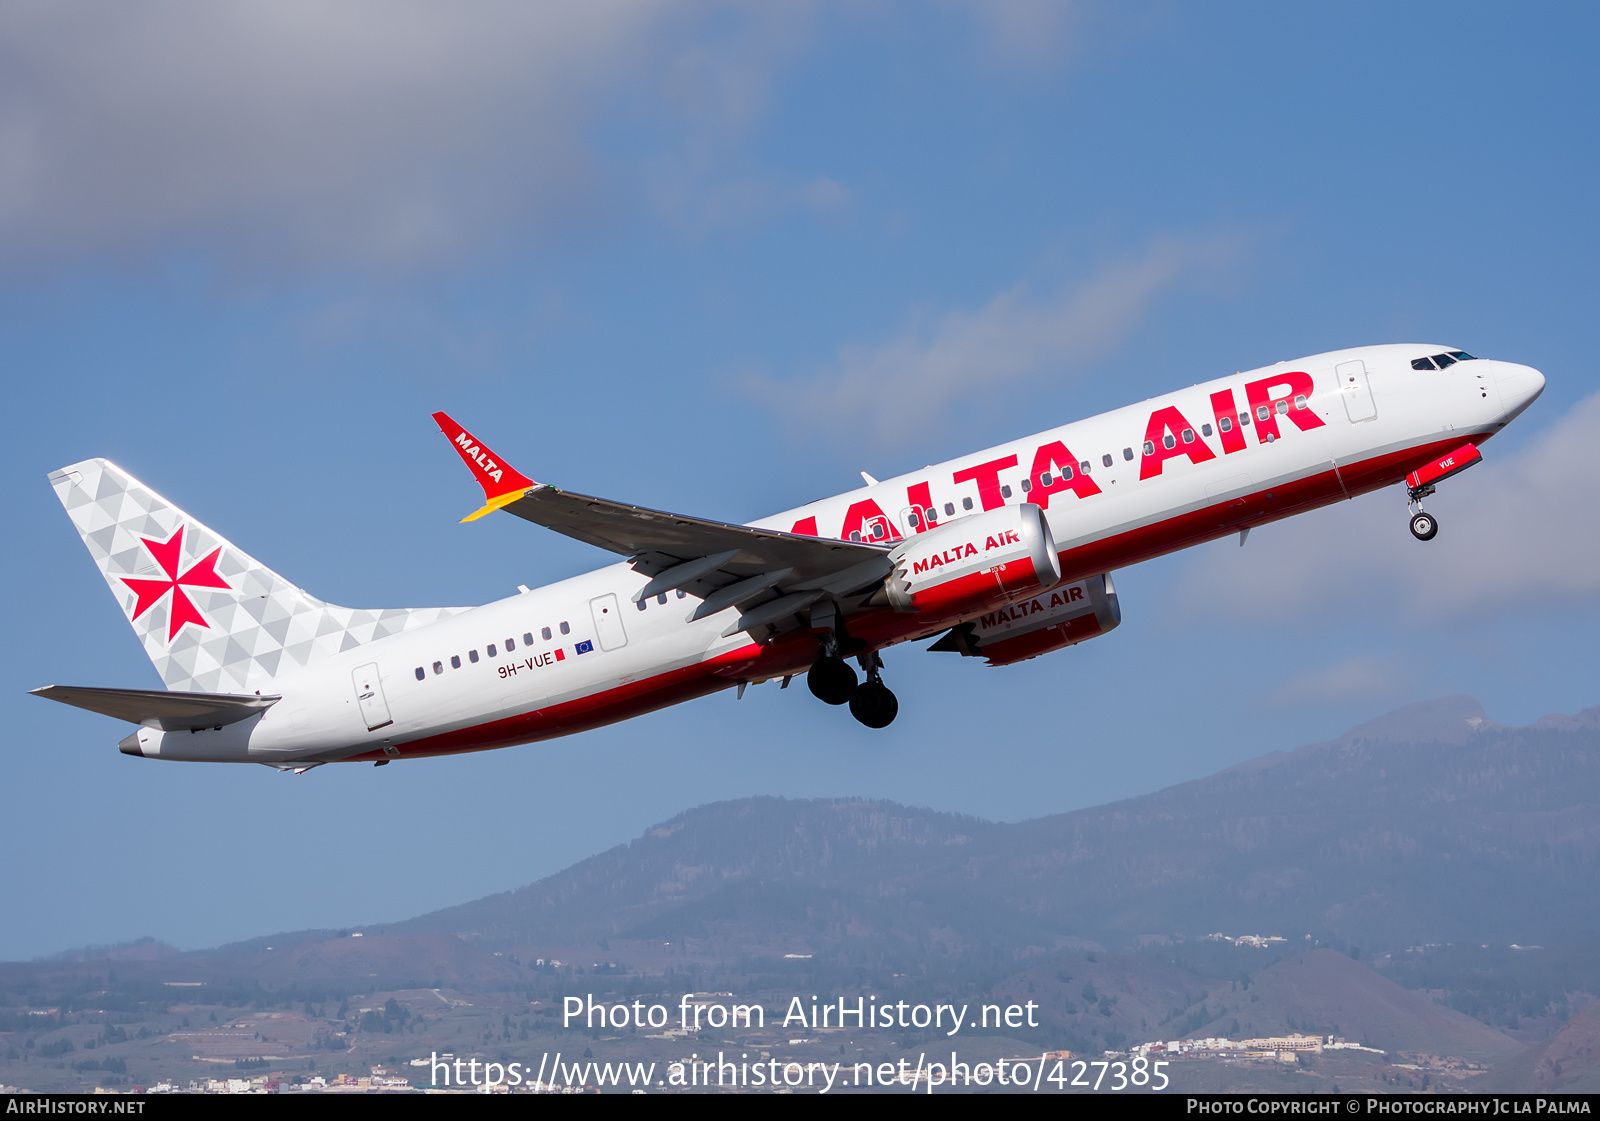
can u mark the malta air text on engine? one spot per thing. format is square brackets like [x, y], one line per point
[964, 550]
[1017, 612]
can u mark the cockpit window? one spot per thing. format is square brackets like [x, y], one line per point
[1422, 363]
[1462, 356]
[1444, 360]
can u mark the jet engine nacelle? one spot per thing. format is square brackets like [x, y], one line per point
[1063, 616]
[968, 565]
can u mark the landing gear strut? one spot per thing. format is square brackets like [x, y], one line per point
[1424, 526]
[872, 703]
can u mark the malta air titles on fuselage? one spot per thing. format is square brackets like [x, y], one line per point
[1132, 445]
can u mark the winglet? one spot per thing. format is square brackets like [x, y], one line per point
[502, 485]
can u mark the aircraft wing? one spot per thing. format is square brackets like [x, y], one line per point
[768, 573]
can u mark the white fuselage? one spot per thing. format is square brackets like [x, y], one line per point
[441, 689]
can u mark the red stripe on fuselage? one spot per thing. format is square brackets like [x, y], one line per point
[790, 653]
[794, 652]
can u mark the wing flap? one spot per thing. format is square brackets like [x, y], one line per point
[659, 540]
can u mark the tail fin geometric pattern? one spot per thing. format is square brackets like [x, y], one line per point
[211, 617]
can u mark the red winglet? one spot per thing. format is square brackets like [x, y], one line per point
[499, 481]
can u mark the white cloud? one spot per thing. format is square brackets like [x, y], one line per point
[355, 133]
[1365, 678]
[894, 391]
[1515, 533]
[1026, 32]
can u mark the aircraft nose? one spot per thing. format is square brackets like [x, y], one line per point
[1519, 386]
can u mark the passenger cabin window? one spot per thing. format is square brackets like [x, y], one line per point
[1205, 430]
[1226, 424]
[966, 503]
[438, 667]
[1169, 441]
[472, 655]
[1299, 400]
[421, 673]
[1127, 453]
[855, 536]
[914, 519]
[455, 661]
[1262, 412]
[1150, 447]
[492, 652]
[641, 604]
[1005, 492]
[527, 639]
[930, 514]
[565, 629]
[545, 634]
[1105, 461]
[949, 509]
[511, 644]
[1188, 435]
[1027, 485]
[1084, 467]
[682, 594]
[662, 598]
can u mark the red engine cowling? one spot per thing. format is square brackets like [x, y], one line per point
[1063, 616]
[974, 563]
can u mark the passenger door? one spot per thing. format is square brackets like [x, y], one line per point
[1358, 402]
[369, 695]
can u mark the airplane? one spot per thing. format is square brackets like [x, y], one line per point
[1005, 554]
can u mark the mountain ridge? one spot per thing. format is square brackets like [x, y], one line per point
[1433, 805]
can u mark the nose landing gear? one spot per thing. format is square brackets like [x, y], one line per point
[1424, 526]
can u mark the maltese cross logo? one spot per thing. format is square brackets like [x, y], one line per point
[202, 574]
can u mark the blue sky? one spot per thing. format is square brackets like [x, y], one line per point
[719, 259]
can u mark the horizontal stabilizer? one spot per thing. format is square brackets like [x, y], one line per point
[155, 708]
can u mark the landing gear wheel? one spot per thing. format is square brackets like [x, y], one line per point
[1423, 526]
[874, 705]
[831, 680]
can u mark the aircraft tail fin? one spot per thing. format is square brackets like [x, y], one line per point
[211, 617]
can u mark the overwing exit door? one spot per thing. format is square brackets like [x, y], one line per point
[369, 695]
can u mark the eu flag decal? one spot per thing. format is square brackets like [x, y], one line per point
[584, 647]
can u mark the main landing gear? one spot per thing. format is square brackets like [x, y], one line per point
[1424, 526]
[833, 682]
